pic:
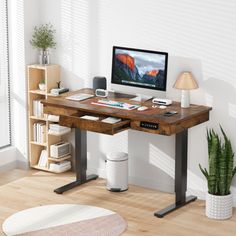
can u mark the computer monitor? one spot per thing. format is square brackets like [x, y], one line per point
[144, 70]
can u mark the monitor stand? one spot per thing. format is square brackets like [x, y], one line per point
[141, 98]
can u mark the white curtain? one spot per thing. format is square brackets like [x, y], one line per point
[4, 78]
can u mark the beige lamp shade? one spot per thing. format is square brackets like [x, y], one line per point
[186, 81]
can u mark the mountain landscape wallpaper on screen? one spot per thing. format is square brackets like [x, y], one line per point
[139, 68]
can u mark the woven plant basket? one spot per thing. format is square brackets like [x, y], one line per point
[219, 207]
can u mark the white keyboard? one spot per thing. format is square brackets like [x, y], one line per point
[80, 97]
[115, 104]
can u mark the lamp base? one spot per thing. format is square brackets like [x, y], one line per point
[185, 101]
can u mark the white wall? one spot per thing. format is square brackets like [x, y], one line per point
[199, 36]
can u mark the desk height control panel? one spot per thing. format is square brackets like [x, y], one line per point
[149, 125]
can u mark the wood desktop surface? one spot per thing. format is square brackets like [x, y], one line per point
[70, 111]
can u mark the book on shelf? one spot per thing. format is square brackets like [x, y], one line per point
[43, 159]
[38, 109]
[39, 132]
[42, 132]
[35, 132]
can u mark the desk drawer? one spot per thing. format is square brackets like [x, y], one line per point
[57, 111]
[94, 126]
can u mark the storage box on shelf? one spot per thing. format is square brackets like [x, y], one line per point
[39, 138]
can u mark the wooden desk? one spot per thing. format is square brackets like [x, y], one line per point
[71, 111]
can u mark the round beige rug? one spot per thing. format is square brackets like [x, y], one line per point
[65, 219]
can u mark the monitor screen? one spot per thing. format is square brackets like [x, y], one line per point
[139, 68]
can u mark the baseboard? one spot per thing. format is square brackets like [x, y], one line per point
[23, 165]
[158, 185]
[202, 195]
[143, 182]
[10, 159]
[9, 166]
[98, 171]
[7, 159]
[14, 165]
[152, 184]
[7, 156]
[199, 193]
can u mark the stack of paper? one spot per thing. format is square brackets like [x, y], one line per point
[111, 120]
[80, 96]
[90, 117]
[56, 129]
[60, 166]
[53, 118]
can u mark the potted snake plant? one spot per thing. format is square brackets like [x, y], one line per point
[219, 200]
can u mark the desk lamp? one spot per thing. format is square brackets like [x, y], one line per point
[185, 82]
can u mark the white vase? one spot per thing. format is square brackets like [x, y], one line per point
[219, 207]
[42, 87]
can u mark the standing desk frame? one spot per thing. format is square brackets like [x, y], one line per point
[71, 111]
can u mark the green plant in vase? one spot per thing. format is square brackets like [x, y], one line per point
[43, 38]
[219, 176]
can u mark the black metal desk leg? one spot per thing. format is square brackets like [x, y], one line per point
[181, 152]
[80, 162]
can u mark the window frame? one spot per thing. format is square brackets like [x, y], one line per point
[8, 97]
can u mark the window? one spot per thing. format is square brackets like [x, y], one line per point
[5, 137]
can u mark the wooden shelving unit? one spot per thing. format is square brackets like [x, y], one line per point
[51, 75]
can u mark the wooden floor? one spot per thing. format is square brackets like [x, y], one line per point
[20, 190]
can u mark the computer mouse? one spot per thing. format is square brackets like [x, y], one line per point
[143, 108]
[162, 107]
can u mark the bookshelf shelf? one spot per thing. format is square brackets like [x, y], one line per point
[59, 159]
[37, 91]
[39, 67]
[51, 95]
[40, 168]
[46, 169]
[40, 144]
[58, 172]
[43, 93]
[38, 118]
[38, 124]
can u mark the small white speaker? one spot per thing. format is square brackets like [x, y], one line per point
[99, 83]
